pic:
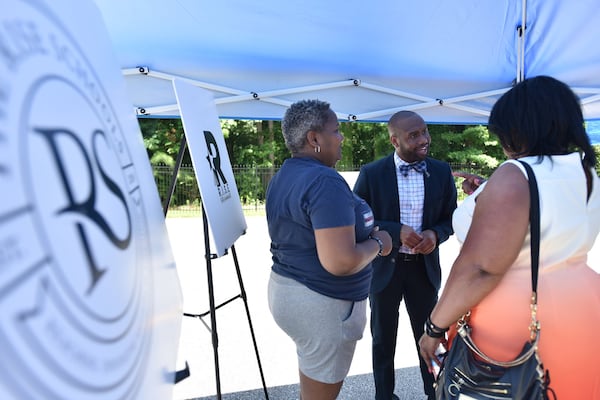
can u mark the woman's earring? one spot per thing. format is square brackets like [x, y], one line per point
[318, 149]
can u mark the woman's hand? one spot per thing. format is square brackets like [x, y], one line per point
[471, 181]
[385, 238]
[427, 348]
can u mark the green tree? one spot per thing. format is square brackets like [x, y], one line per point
[257, 144]
[260, 145]
[162, 138]
[363, 143]
[254, 143]
[471, 146]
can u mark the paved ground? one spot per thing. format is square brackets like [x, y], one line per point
[238, 365]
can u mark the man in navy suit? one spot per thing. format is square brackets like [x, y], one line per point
[413, 198]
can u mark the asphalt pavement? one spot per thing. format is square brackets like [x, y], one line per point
[237, 361]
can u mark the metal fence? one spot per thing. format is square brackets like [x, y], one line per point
[251, 183]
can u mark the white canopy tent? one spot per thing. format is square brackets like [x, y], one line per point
[448, 60]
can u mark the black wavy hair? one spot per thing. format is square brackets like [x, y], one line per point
[541, 116]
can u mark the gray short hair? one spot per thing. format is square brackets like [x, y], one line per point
[301, 117]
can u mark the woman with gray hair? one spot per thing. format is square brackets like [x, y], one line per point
[323, 240]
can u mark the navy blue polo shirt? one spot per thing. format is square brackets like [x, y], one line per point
[305, 195]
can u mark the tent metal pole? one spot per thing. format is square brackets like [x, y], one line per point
[429, 102]
[270, 96]
[521, 37]
[590, 99]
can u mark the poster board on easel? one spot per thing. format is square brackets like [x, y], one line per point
[210, 159]
[223, 217]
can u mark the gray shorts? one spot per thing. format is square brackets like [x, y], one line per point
[324, 329]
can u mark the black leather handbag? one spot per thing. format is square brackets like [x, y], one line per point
[467, 373]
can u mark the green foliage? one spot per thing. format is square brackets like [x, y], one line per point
[472, 146]
[186, 183]
[259, 147]
[363, 143]
[249, 143]
[162, 138]
[249, 186]
[254, 143]
[160, 157]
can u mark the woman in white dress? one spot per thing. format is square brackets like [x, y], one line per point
[538, 121]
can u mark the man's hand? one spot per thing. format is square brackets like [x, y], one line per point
[409, 237]
[427, 244]
[423, 243]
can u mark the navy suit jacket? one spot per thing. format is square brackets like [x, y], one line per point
[377, 185]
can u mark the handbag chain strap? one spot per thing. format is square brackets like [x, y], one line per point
[464, 330]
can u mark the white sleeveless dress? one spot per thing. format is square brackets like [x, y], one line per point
[568, 289]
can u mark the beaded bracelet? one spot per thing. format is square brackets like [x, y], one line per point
[380, 243]
[433, 330]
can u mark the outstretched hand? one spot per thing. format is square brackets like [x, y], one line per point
[471, 181]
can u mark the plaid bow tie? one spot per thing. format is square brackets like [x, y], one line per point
[420, 167]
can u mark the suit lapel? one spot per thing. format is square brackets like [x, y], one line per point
[390, 178]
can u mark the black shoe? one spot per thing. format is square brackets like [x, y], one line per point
[394, 397]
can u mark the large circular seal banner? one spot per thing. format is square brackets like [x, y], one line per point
[90, 303]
